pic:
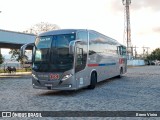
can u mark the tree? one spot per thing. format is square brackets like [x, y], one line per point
[15, 55]
[42, 27]
[1, 59]
[155, 55]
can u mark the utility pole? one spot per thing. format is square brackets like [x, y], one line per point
[135, 51]
[127, 29]
[144, 50]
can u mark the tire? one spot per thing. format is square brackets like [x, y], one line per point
[121, 72]
[93, 81]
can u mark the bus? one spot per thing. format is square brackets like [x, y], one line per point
[71, 59]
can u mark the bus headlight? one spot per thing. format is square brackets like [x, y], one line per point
[66, 77]
[34, 76]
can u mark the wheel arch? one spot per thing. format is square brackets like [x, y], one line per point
[93, 71]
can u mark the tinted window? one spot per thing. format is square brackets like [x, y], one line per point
[81, 50]
[52, 53]
[63, 40]
[43, 42]
[93, 43]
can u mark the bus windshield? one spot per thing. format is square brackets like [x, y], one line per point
[52, 53]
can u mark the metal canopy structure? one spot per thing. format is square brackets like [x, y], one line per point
[14, 40]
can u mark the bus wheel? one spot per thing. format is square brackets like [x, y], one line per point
[93, 81]
[121, 72]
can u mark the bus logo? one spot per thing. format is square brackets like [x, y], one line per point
[54, 76]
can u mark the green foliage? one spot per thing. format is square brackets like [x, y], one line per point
[15, 55]
[1, 59]
[155, 55]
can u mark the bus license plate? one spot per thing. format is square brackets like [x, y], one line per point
[54, 76]
[48, 85]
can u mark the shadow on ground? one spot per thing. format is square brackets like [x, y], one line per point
[74, 92]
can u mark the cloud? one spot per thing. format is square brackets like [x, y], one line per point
[148, 31]
[153, 4]
[156, 29]
[117, 5]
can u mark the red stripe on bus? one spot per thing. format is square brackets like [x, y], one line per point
[121, 61]
[92, 65]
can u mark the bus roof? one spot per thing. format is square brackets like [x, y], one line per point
[61, 31]
[68, 31]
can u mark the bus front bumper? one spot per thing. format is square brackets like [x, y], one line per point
[50, 85]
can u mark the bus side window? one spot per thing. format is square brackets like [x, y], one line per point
[124, 51]
[119, 50]
[79, 56]
[94, 48]
[81, 50]
[80, 59]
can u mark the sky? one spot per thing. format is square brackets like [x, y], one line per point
[104, 16]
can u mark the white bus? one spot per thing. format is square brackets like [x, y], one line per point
[70, 59]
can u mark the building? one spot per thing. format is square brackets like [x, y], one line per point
[14, 40]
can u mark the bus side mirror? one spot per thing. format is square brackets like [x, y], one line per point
[72, 46]
[23, 48]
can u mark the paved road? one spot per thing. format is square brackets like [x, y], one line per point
[138, 90]
[15, 75]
